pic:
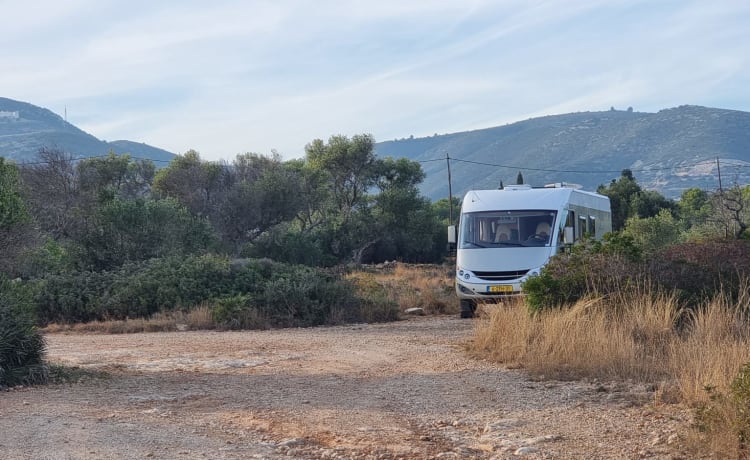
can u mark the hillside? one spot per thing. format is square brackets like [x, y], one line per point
[25, 128]
[668, 151]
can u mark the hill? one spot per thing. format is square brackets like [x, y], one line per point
[668, 151]
[25, 128]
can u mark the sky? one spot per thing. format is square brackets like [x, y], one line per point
[225, 77]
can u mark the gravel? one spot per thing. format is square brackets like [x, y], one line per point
[385, 391]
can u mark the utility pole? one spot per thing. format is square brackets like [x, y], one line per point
[450, 190]
[721, 199]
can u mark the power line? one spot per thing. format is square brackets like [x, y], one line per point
[732, 163]
[584, 171]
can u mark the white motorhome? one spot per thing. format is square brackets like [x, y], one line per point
[505, 236]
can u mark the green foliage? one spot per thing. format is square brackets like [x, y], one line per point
[442, 210]
[695, 271]
[589, 268]
[620, 193]
[115, 176]
[22, 347]
[350, 166]
[12, 207]
[191, 181]
[51, 257]
[652, 233]
[133, 230]
[252, 293]
[289, 244]
[136, 289]
[729, 411]
[620, 244]
[694, 206]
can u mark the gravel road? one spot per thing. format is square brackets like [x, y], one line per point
[384, 391]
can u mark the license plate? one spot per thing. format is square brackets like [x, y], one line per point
[501, 288]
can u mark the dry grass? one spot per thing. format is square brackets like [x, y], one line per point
[429, 287]
[195, 319]
[592, 339]
[639, 337]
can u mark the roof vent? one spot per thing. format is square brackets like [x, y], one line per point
[518, 187]
[563, 185]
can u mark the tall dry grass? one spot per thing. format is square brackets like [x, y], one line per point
[638, 335]
[592, 339]
[429, 287]
[695, 356]
[195, 319]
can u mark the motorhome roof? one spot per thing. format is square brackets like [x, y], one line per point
[515, 197]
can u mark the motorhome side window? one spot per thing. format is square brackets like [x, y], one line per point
[496, 229]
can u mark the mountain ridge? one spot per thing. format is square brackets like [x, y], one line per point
[669, 151]
[26, 128]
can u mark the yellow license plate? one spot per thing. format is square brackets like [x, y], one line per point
[501, 288]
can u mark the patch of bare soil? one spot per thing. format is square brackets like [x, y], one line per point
[385, 391]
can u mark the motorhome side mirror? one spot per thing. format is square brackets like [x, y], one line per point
[568, 235]
[452, 234]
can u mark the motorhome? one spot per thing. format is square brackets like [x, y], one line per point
[507, 235]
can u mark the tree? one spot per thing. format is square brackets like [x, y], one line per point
[653, 232]
[519, 178]
[134, 230]
[14, 217]
[12, 207]
[116, 175]
[734, 206]
[620, 193]
[349, 164]
[193, 182]
[52, 191]
[261, 193]
[694, 206]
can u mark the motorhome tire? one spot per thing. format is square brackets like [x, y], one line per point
[468, 307]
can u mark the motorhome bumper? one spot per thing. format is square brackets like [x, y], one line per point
[480, 290]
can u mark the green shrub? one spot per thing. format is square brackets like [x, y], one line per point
[728, 414]
[589, 268]
[22, 347]
[238, 312]
[374, 304]
[250, 293]
[134, 290]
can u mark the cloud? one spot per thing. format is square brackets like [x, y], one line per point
[232, 76]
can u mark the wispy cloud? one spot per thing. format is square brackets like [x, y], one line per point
[232, 76]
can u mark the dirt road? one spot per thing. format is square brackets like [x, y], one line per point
[385, 391]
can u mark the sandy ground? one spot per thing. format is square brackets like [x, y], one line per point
[386, 391]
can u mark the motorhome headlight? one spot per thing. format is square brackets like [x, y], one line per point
[534, 272]
[464, 274]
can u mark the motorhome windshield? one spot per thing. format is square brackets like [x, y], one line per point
[501, 229]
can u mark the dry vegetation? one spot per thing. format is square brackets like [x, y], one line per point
[429, 287]
[691, 357]
[198, 318]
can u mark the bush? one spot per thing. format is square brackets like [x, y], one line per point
[699, 270]
[725, 418]
[250, 293]
[22, 347]
[590, 268]
[695, 271]
[134, 290]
